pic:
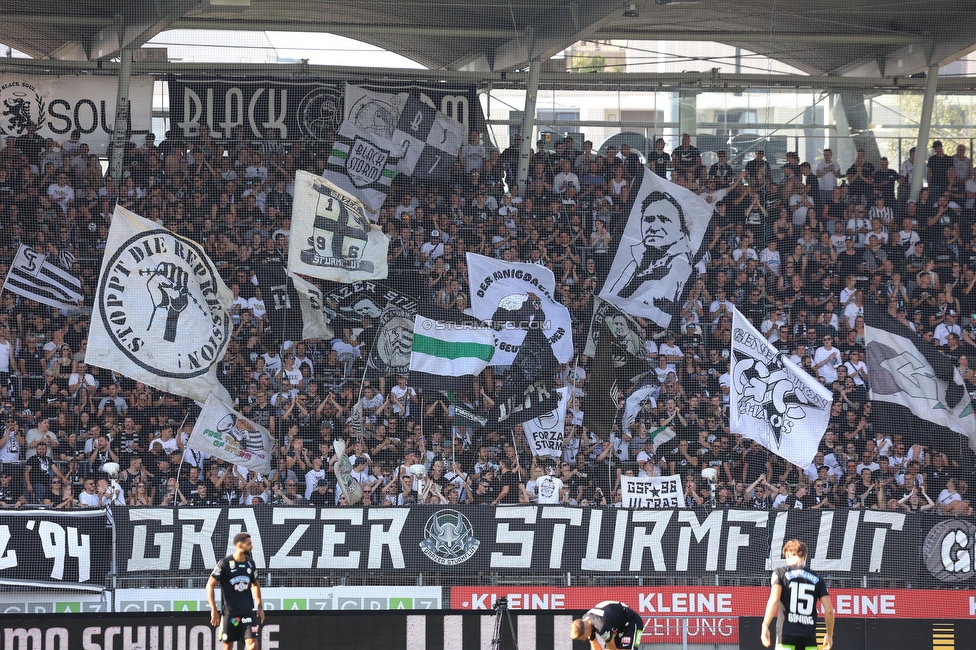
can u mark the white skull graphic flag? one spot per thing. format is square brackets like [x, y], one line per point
[774, 401]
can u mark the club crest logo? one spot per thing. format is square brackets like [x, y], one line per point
[449, 538]
[366, 162]
[160, 305]
[320, 113]
[376, 116]
[20, 105]
[394, 341]
[947, 550]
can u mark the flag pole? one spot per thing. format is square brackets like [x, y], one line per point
[183, 455]
[362, 382]
[515, 447]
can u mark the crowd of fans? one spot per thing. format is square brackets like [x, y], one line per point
[799, 257]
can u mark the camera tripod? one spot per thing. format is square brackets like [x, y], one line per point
[501, 613]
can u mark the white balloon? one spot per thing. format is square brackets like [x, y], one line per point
[709, 158]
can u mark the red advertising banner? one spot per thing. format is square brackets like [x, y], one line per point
[712, 613]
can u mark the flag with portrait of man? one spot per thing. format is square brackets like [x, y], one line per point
[658, 250]
[627, 338]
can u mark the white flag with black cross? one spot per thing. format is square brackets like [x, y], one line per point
[332, 237]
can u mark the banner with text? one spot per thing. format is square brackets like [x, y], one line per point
[39, 548]
[668, 542]
[708, 615]
[287, 599]
[62, 104]
[652, 492]
[310, 110]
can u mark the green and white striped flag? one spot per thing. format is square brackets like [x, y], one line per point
[450, 349]
[660, 435]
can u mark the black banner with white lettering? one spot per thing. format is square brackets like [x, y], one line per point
[44, 548]
[294, 110]
[516, 539]
[344, 630]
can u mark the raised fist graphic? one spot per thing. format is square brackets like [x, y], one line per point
[167, 287]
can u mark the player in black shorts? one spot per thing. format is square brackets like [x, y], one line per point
[619, 625]
[240, 596]
[793, 601]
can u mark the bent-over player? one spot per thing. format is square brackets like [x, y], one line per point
[611, 625]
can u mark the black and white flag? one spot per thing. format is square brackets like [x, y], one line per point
[294, 305]
[658, 250]
[332, 237]
[314, 323]
[545, 434]
[515, 297]
[429, 140]
[625, 340]
[394, 340]
[774, 401]
[162, 312]
[32, 276]
[363, 160]
[606, 388]
[530, 386]
[907, 371]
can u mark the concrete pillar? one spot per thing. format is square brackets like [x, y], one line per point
[688, 113]
[924, 127]
[528, 124]
[121, 124]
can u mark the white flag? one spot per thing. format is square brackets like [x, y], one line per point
[635, 402]
[658, 250]
[228, 435]
[517, 297]
[449, 349]
[331, 234]
[376, 112]
[364, 159]
[652, 492]
[545, 433]
[161, 314]
[774, 401]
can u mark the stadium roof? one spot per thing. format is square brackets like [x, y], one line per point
[871, 38]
